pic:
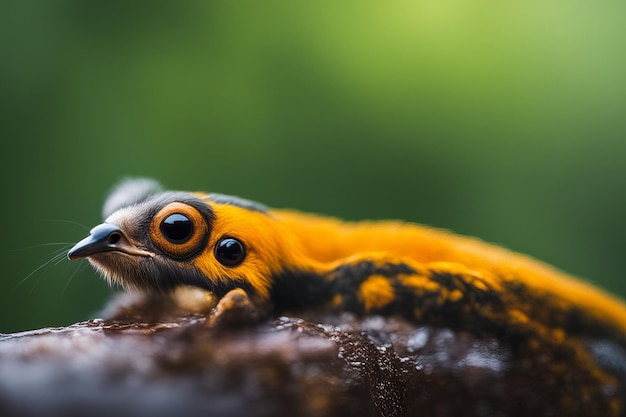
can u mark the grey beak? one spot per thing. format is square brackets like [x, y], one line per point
[102, 238]
[106, 237]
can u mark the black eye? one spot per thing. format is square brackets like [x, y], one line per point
[177, 228]
[229, 252]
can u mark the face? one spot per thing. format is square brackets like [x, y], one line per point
[157, 241]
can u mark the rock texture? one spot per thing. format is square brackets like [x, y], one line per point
[325, 365]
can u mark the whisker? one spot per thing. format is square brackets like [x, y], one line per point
[56, 259]
[68, 222]
[80, 268]
[60, 259]
[60, 251]
[43, 245]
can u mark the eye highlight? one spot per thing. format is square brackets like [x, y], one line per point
[229, 252]
[179, 230]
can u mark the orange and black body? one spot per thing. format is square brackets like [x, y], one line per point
[288, 261]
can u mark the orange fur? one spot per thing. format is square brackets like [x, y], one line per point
[269, 247]
[332, 241]
[376, 292]
[284, 239]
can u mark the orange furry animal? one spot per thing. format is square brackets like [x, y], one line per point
[155, 240]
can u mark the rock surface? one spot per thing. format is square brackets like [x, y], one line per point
[288, 366]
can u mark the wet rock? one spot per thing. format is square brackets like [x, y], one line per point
[327, 365]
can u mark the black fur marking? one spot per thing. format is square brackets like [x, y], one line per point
[573, 321]
[238, 202]
[433, 306]
[466, 313]
[363, 270]
[299, 290]
[225, 285]
[347, 280]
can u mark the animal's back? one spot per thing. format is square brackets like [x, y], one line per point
[333, 242]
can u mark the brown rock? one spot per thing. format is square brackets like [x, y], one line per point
[187, 365]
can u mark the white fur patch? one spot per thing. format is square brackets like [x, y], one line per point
[129, 192]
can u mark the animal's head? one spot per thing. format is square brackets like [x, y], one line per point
[155, 240]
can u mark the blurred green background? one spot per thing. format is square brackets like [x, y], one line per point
[503, 120]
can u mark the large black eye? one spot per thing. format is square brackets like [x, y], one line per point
[177, 228]
[229, 252]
